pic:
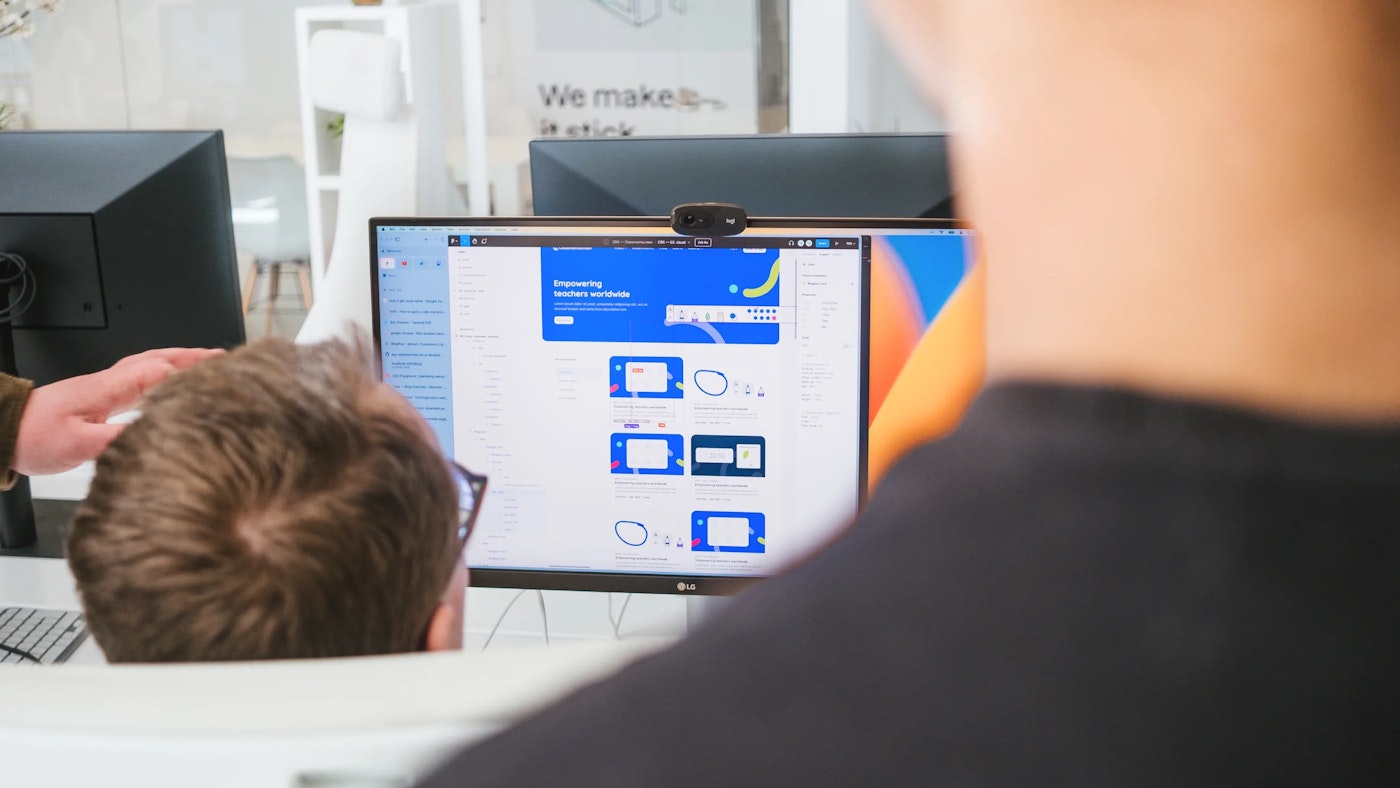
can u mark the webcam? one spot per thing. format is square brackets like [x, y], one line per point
[709, 218]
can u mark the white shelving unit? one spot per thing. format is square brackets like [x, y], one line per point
[418, 28]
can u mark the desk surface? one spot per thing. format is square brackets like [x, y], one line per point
[37, 582]
[152, 725]
[260, 723]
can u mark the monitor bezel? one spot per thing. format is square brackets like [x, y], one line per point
[660, 583]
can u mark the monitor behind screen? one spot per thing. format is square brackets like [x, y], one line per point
[130, 240]
[129, 236]
[865, 175]
[115, 242]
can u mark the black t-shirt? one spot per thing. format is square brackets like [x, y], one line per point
[1080, 586]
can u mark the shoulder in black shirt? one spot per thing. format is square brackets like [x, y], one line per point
[1080, 586]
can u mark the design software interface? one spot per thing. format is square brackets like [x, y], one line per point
[643, 402]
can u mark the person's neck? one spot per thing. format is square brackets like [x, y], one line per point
[1233, 238]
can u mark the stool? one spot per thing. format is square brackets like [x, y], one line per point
[273, 269]
[268, 195]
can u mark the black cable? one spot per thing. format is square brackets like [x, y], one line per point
[19, 653]
[17, 272]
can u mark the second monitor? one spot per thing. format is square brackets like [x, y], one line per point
[111, 243]
[873, 175]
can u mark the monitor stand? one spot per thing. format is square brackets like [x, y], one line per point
[17, 516]
[582, 615]
[51, 518]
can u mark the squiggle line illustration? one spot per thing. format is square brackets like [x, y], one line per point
[722, 381]
[763, 289]
[617, 529]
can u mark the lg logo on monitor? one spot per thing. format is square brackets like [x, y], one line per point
[683, 586]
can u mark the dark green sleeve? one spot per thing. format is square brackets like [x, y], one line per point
[14, 394]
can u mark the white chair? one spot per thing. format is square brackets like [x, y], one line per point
[270, 224]
[391, 164]
[364, 720]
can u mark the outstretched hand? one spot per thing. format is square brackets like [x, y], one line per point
[65, 423]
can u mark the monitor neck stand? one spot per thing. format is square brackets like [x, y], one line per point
[16, 504]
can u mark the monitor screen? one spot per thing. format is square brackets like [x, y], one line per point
[872, 175]
[656, 412]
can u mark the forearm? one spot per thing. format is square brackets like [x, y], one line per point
[14, 394]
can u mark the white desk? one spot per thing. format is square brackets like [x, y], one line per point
[252, 724]
[256, 724]
[262, 723]
[70, 486]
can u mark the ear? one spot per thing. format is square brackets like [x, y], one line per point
[445, 627]
[444, 630]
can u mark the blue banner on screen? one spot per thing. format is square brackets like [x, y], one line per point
[728, 532]
[728, 296]
[648, 455]
[646, 377]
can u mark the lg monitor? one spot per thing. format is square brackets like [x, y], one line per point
[866, 175]
[656, 412]
[111, 243]
[926, 347]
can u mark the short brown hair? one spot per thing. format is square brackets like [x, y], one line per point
[276, 502]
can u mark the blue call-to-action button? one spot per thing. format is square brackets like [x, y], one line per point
[823, 243]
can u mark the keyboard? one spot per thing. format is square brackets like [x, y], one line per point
[39, 637]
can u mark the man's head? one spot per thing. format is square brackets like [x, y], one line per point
[1190, 196]
[277, 502]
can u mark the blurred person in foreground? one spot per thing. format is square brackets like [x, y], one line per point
[277, 502]
[1162, 548]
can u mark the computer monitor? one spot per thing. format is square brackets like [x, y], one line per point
[925, 359]
[113, 242]
[656, 412]
[867, 175]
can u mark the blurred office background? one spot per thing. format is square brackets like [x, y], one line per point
[546, 67]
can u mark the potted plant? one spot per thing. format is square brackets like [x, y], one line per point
[17, 16]
[17, 19]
